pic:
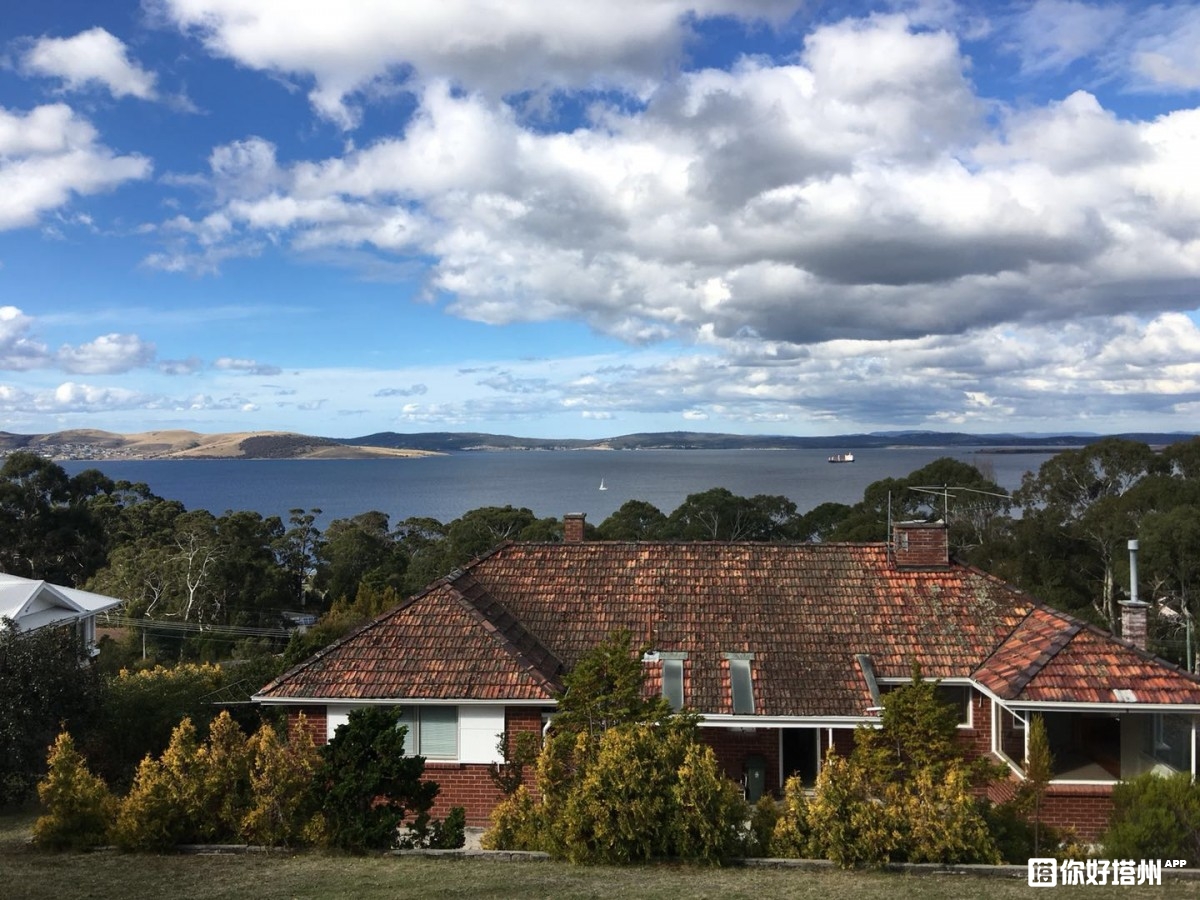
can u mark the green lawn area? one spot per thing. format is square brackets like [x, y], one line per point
[27, 873]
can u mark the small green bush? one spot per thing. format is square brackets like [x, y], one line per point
[1155, 817]
[763, 819]
[449, 833]
[79, 807]
[367, 786]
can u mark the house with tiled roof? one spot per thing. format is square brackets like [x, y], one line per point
[784, 650]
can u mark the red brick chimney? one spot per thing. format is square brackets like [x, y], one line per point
[573, 528]
[920, 545]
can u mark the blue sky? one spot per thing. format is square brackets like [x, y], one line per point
[589, 219]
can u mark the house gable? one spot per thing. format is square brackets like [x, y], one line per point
[437, 646]
[1052, 657]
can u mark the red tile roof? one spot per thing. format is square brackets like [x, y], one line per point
[508, 625]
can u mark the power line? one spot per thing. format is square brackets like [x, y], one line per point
[194, 627]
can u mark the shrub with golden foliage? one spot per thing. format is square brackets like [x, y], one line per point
[281, 777]
[790, 837]
[904, 795]
[622, 779]
[159, 810]
[79, 807]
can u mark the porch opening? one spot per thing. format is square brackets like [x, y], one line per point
[801, 754]
[1102, 747]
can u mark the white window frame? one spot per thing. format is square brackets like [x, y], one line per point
[478, 729]
[413, 739]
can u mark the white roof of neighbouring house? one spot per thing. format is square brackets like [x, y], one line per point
[33, 604]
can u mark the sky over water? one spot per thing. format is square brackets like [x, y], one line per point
[581, 218]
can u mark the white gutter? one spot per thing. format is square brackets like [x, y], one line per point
[391, 701]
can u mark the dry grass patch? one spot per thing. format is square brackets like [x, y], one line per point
[33, 875]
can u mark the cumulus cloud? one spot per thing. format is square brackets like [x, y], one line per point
[496, 47]
[49, 154]
[854, 233]
[858, 193]
[19, 351]
[107, 355]
[93, 57]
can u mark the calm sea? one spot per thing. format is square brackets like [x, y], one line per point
[549, 483]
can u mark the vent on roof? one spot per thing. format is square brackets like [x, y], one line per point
[1124, 695]
[741, 684]
[867, 666]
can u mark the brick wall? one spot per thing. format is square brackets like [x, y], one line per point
[1086, 808]
[469, 785]
[314, 720]
[921, 545]
[732, 748]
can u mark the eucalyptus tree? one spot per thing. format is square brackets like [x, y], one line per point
[299, 552]
[361, 548]
[1086, 495]
[635, 520]
[720, 515]
[47, 530]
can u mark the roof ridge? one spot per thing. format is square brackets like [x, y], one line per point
[508, 631]
[1017, 683]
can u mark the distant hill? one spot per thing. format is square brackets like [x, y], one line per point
[89, 444]
[95, 445]
[444, 441]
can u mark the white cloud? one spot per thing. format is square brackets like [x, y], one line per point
[1168, 59]
[859, 193]
[18, 351]
[245, 366]
[72, 397]
[485, 45]
[49, 154]
[107, 355]
[1053, 34]
[90, 57]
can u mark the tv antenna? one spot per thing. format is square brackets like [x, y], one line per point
[945, 491]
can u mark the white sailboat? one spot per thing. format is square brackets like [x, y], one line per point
[602, 487]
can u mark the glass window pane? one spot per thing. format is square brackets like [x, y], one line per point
[958, 696]
[408, 721]
[439, 732]
[672, 682]
[743, 689]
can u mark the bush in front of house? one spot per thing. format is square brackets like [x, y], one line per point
[230, 788]
[79, 807]
[621, 778]
[281, 778]
[368, 786]
[903, 795]
[1155, 817]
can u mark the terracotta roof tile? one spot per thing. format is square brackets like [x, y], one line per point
[509, 624]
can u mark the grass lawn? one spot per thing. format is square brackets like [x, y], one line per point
[27, 873]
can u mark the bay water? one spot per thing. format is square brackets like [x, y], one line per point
[550, 483]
